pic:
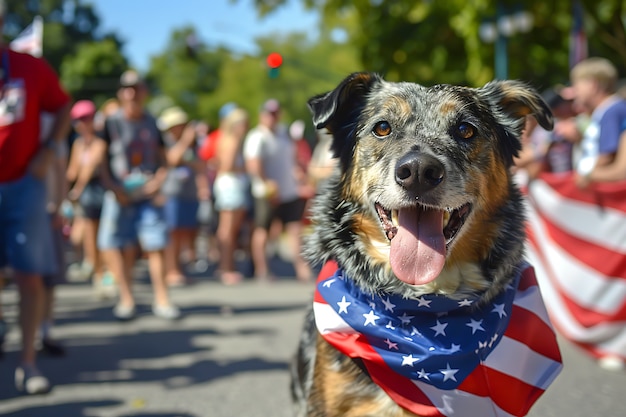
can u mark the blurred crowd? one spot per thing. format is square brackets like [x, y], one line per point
[590, 119]
[87, 191]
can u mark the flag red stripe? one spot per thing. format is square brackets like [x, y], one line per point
[609, 195]
[602, 259]
[527, 280]
[586, 317]
[403, 391]
[535, 333]
[485, 381]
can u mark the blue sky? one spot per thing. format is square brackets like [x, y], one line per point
[145, 25]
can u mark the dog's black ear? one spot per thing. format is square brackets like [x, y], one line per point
[348, 95]
[510, 102]
[517, 100]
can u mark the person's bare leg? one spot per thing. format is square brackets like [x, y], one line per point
[294, 234]
[90, 248]
[258, 245]
[116, 262]
[227, 233]
[188, 243]
[157, 277]
[173, 274]
[31, 310]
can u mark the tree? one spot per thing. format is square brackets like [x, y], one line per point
[438, 42]
[187, 72]
[71, 43]
[202, 81]
[92, 72]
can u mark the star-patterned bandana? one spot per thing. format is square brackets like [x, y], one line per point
[433, 340]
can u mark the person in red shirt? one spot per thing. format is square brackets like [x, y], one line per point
[28, 87]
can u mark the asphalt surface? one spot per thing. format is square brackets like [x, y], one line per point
[228, 356]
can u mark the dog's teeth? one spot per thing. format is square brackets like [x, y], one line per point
[394, 217]
[446, 217]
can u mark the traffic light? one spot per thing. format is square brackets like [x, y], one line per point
[274, 60]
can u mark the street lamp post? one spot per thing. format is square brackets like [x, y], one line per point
[498, 32]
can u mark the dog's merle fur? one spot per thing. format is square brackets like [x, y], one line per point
[473, 135]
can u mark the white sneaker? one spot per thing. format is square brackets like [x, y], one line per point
[30, 381]
[612, 363]
[124, 313]
[169, 312]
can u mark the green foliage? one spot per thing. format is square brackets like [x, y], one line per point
[438, 41]
[88, 63]
[206, 80]
[92, 72]
[187, 72]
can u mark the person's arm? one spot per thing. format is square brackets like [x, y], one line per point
[54, 146]
[615, 170]
[71, 175]
[106, 178]
[202, 181]
[262, 187]
[152, 187]
[174, 154]
[86, 172]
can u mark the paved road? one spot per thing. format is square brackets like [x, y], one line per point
[228, 357]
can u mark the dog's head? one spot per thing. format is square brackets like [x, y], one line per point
[423, 186]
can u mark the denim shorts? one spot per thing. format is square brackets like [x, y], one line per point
[140, 223]
[90, 200]
[25, 233]
[181, 213]
[231, 192]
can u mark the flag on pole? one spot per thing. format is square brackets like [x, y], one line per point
[30, 40]
[578, 38]
[577, 243]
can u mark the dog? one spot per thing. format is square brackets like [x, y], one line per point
[421, 227]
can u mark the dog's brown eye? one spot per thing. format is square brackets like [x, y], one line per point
[465, 131]
[382, 129]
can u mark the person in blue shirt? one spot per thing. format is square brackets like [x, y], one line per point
[594, 86]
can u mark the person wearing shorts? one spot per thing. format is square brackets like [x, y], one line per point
[270, 159]
[132, 209]
[186, 184]
[30, 87]
[231, 190]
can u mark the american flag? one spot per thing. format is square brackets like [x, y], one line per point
[436, 356]
[30, 40]
[577, 242]
[578, 38]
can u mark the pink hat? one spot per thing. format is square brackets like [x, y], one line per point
[82, 108]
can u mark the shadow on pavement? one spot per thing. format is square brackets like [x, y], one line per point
[83, 409]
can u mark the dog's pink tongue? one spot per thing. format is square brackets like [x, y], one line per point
[418, 251]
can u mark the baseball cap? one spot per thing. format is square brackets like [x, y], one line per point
[130, 78]
[226, 109]
[171, 117]
[271, 106]
[82, 108]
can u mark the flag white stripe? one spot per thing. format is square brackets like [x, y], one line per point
[328, 321]
[607, 335]
[30, 40]
[602, 294]
[530, 299]
[457, 403]
[602, 226]
[535, 369]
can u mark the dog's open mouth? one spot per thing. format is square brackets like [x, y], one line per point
[419, 238]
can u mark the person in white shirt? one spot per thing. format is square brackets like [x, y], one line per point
[270, 159]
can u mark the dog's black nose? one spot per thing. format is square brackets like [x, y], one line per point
[419, 172]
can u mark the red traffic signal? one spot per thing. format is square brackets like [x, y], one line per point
[274, 60]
